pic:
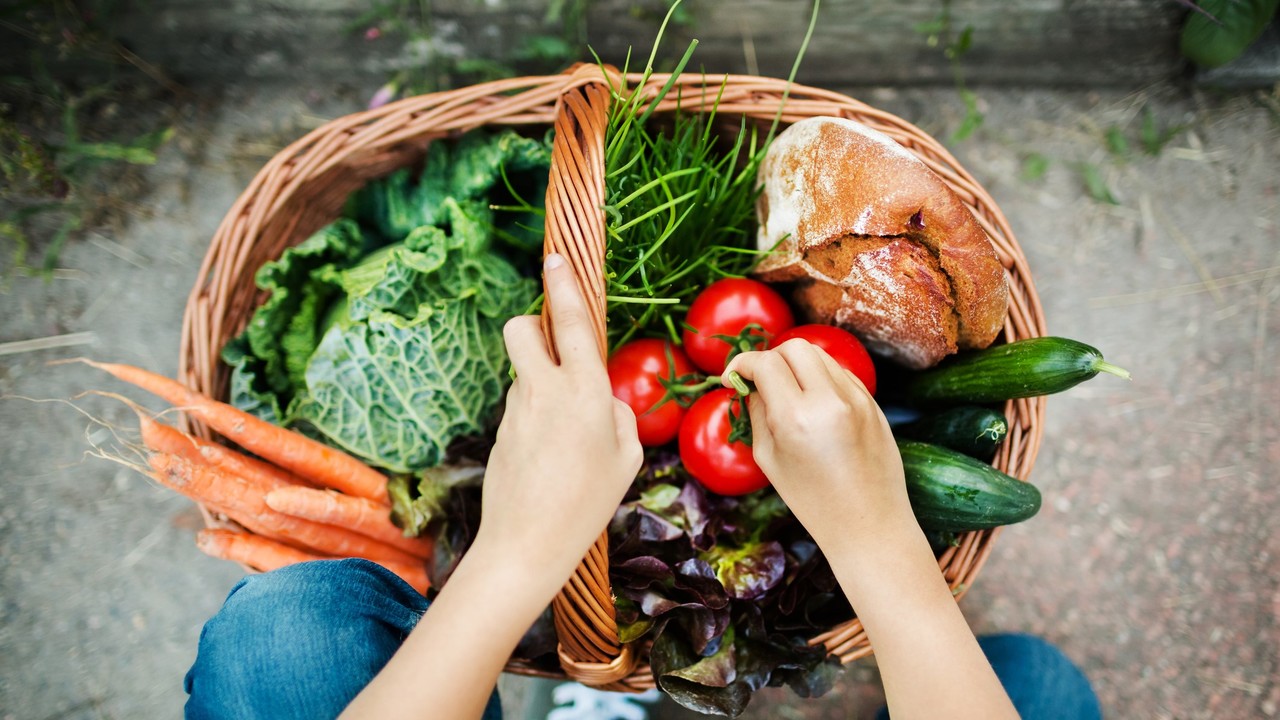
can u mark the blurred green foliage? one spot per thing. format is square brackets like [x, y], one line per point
[58, 162]
[940, 32]
[1220, 30]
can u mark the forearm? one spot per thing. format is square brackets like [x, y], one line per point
[451, 661]
[929, 660]
[530, 538]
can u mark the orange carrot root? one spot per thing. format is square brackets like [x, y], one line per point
[414, 574]
[358, 514]
[325, 466]
[159, 437]
[266, 555]
[257, 552]
[245, 502]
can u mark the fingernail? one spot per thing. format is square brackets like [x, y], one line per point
[554, 260]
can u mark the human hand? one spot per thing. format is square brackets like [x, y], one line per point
[824, 445]
[566, 450]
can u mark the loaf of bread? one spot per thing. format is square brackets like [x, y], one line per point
[872, 240]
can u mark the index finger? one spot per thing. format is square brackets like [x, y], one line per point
[526, 346]
[575, 338]
[844, 379]
[774, 379]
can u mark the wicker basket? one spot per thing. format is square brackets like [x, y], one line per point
[304, 187]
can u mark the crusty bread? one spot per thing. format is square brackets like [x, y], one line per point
[877, 243]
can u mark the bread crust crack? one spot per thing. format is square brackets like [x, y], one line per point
[877, 243]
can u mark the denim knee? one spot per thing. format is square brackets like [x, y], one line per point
[1041, 681]
[300, 642]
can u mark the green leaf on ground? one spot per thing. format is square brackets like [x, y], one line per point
[1096, 185]
[1153, 137]
[1117, 143]
[1034, 167]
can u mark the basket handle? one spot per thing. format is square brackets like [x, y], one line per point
[590, 651]
[575, 191]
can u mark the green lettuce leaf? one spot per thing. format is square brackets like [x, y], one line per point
[433, 263]
[395, 392]
[416, 503]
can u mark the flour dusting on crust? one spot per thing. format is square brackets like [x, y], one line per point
[908, 267]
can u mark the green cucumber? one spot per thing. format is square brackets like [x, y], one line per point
[972, 430]
[940, 540]
[952, 491]
[1026, 368]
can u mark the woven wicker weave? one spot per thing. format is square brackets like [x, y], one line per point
[304, 187]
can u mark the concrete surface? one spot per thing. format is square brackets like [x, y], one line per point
[1027, 42]
[1155, 563]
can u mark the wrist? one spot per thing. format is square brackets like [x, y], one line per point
[529, 572]
[892, 558]
[875, 544]
[853, 510]
[854, 527]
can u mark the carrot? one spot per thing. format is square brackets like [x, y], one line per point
[255, 551]
[326, 466]
[245, 502]
[167, 439]
[332, 508]
[220, 490]
[414, 574]
[262, 554]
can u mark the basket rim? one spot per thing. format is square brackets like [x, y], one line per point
[374, 141]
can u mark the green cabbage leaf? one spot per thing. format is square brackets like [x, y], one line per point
[382, 334]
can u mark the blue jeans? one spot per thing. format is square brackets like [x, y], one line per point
[302, 641]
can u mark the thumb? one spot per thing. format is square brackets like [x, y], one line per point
[624, 422]
[761, 437]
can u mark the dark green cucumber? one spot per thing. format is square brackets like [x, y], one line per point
[940, 540]
[1026, 368]
[952, 491]
[972, 430]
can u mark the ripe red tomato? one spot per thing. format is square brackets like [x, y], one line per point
[723, 467]
[634, 370]
[842, 346]
[725, 307]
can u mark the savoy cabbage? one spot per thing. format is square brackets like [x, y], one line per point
[382, 335]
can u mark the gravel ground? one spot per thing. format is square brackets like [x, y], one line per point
[1153, 563]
